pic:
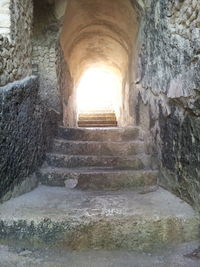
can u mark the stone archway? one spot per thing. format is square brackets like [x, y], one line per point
[99, 34]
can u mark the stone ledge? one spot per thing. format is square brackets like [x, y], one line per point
[57, 217]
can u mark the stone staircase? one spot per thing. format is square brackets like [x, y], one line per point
[98, 190]
[110, 159]
[105, 118]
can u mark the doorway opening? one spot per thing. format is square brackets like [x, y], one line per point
[98, 40]
[98, 98]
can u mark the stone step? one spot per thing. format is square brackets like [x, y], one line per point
[97, 120]
[167, 256]
[97, 178]
[97, 117]
[74, 219]
[73, 161]
[96, 112]
[98, 148]
[97, 123]
[100, 134]
[103, 121]
[100, 125]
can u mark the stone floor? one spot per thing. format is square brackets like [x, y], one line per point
[139, 220]
[173, 256]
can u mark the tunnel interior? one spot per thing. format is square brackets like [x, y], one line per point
[98, 40]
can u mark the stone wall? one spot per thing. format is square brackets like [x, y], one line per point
[45, 49]
[15, 47]
[26, 127]
[65, 86]
[168, 84]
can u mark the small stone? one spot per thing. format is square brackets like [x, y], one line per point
[71, 183]
[25, 253]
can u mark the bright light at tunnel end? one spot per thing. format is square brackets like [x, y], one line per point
[99, 89]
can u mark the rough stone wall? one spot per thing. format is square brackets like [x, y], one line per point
[26, 127]
[65, 85]
[62, 71]
[168, 83]
[15, 48]
[44, 56]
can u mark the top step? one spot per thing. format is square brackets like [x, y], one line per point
[100, 134]
[100, 119]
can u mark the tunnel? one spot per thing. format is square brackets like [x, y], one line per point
[98, 40]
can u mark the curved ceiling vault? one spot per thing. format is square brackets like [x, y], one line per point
[98, 33]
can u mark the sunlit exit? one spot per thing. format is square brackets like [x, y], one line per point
[98, 90]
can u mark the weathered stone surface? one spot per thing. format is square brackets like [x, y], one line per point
[98, 148]
[172, 256]
[181, 156]
[99, 158]
[23, 186]
[75, 161]
[99, 220]
[15, 52]
[167, 58]
[45, 53]
[117, 134]
[97, 119]
[98, 178]
[168, 83]
[26, 126]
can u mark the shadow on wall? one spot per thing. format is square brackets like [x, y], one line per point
[181, 155]
[26, 131]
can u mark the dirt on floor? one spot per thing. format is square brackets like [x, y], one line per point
[185, 255]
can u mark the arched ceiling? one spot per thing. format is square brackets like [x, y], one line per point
[98, 32]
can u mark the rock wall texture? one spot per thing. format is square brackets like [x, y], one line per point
[45, 50]
[168, 83]
[65, 86]
[15, 48]
[26, 127]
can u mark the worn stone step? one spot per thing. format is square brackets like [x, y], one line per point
[104, 121]
[74, 219]
[100, 134]
[97, 178]
[89, 125]
[97, 123]
[98, 148]
[167, 256]
[97, 117]
[97, 112]
[73, 161]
